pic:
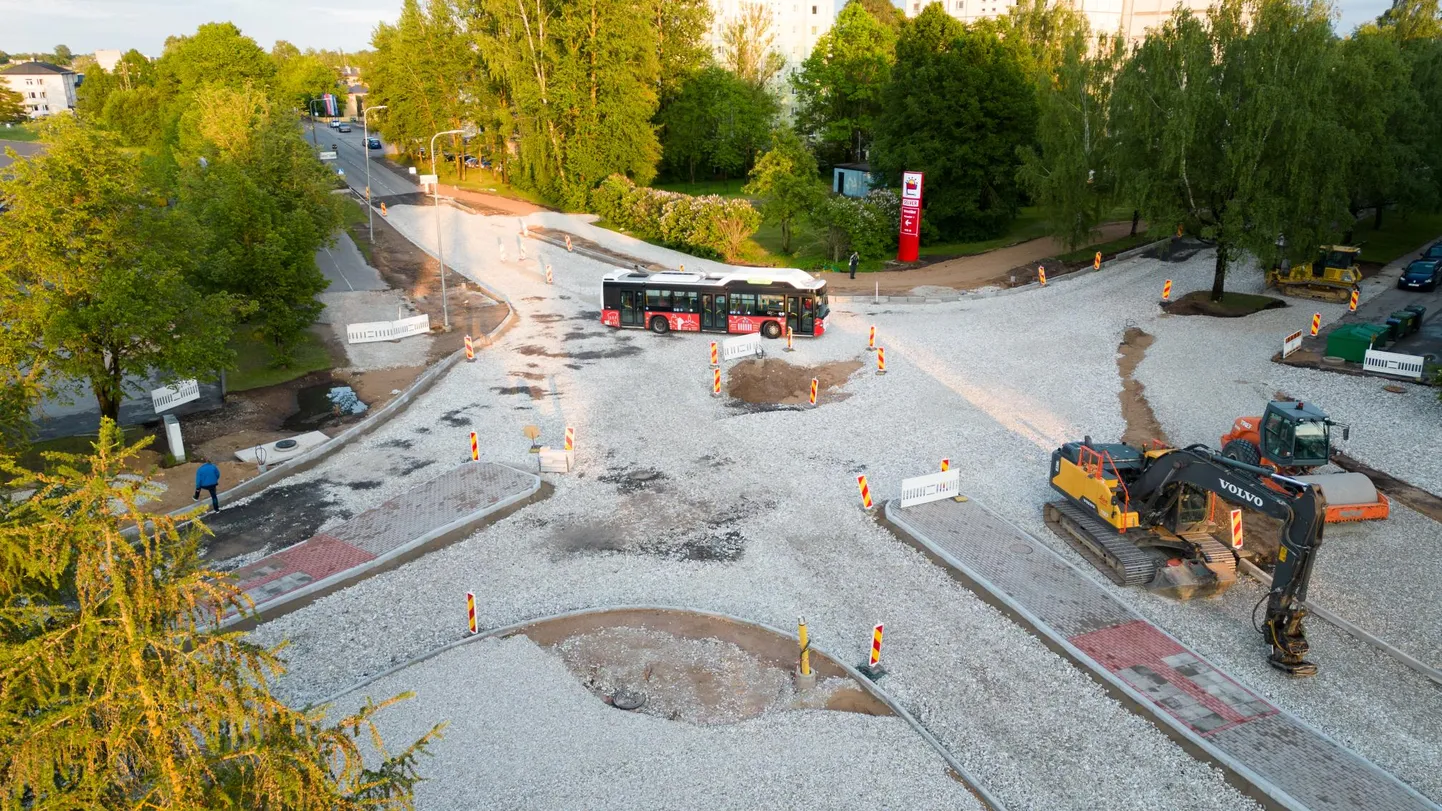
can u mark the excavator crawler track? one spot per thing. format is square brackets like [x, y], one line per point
[1112, 553]
[1215, 555]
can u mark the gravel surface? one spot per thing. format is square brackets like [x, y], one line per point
[524, 733]
[758, 516]
[373, 305]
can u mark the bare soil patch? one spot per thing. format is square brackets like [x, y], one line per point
[1142, 424]
[772, 381]
[1232, 305]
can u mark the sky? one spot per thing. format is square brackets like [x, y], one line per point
[84, 25]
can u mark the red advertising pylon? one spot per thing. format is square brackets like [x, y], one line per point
[570, 438]
[1352, 302]
[1167, 290]
[1236, 529]
[871, 341]
[475, 448]
[814, 383]
[470, 349]
[714, 358]
[1041, 274]
[880, 360]
[1316, 323]
[471, 623]
[715, 382]
[865, 492]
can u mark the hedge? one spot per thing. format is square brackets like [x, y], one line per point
[707, 225]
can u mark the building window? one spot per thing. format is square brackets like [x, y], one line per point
[29, 81]
[813, 9]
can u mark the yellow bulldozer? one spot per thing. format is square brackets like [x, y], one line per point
[1330, 278]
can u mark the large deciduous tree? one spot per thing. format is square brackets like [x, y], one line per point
[94, 272]
[718, 122]
[787, 182]
[841, 86]
[679, 29]
[957, 108]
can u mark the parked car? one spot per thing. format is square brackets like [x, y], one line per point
[335, 125]
[344, 128]
[1423, 274]
[472, 162]
[373, 143]
[1434, 251]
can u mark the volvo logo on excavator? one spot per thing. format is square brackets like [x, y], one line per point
[1246, 495]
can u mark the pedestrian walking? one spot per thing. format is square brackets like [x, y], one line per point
[853, 262]
[207, 478]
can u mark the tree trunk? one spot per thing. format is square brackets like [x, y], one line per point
[1136, 218]
[785, 236]
[109, 403]
[1219, 278]
[1377, 218]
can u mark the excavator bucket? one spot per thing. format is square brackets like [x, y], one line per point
[1350, 497]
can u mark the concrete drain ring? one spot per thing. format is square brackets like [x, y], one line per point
[628, 699]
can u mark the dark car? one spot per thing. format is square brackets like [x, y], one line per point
[472, 162]
[1434, 251]
[373, 143]
[1423, 274]
[344, 128]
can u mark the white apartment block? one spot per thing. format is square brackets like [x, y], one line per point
[108, 58]
[44, 89]
[796, 25]
[1131, 17]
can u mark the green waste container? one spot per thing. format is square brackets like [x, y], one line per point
[1419, 309]
[1351, 342]
[1381, 335]
[1408, 320]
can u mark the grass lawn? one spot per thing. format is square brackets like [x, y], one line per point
[1030, 224]
[20, 132]
[254, 359]
[84, 444]
[1398, 235]
[724, 188]
[355, 222]
[480, 180]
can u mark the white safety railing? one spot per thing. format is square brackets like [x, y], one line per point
[931, 487]
[742, 346]
[1392, 363]
[368, 331]
[178, 393]
[1291, 343]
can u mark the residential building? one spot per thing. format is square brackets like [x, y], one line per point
[44, 89]
[355, 100]
[1132, 18]
[108, 58]
[796, 25]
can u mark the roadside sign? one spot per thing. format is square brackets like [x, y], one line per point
[1291, 343]
[427, 180]
[327, 156]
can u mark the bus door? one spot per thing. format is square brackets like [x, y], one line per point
[632, 308]
[713, 312]
[793, 314]
[808, 316]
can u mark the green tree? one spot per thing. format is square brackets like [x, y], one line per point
[788, 184]
[217, 53]
[138, 116]
[717, 121]
[748, 46]
[958, 108]
[93, 280]
[118, 691]
[62, 55]
[884, 11]
[1228, 124]
[423, 73]
[90, 96]
[12, 107]
[680, 28]
[1412, 20]
[303, 78]
[841, 86]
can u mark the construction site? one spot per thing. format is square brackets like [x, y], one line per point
[1034, 546]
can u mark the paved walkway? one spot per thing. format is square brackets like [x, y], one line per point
[450, 502]
[1291, 762]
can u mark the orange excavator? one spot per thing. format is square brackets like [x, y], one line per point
[1294, 438]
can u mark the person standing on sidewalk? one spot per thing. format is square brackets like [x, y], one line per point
[207, 478]
[853, 262]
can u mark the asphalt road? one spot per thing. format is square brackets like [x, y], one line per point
[351, 157]
[23, 148]
[346, 269]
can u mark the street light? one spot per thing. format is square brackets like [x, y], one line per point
[440, 252]
[312, 121]
[366, 154]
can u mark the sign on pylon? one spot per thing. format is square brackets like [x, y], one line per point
[789, 347]
[570, 438]
[714, 361]
[475, 448]
[1316, 323]
[1041, 274]
[865, 492]
[814, 383]
[871, 341]
[568, 243]
[1167, 290]
[872, 667]
[1097, 262]
[549, 278]
[715, 382]
[1236, 529]
[945, 465]
[880, 360]
[470, 349]
[1352, 302]
[471, 623]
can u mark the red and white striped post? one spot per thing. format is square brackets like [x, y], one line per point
[814, 382]
[945, 465]
[1041, 274]
[1167, 290]
[789, 347]
[872, 668]
[871, 341]
[865, 492]
[1236, 529]
[715, 359]
[470, 349]
[568, 243]
[715, 382]
[549, 278]
[570, 438]
[1316, 323]
[1352, 300]
[880, 360]
[471, 622]
[475, 448]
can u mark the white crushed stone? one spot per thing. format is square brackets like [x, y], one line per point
[354, 307]
[758, 515]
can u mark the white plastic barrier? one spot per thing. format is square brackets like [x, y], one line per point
[1291, 343]
[742, 346]
[931, 487]
[168, 397]
[1392, 363]
[369, 331]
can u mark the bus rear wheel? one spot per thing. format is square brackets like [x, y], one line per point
[771, 329]
[660, 325]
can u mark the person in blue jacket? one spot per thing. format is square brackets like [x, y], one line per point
[207, 477]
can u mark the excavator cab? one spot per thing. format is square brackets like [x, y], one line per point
[1296, 435]
[1337, 263]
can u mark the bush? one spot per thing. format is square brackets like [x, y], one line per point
[708, 226]
[868, 225]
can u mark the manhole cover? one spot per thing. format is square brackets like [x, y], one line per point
[628, 699]
[1021, 549]
[286, 444]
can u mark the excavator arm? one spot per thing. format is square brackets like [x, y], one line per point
[1300, 507]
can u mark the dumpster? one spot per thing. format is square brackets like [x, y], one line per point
[1350, 342]
[1394, 329]
[1408, 320]
[1377, 334]
[1419, 309]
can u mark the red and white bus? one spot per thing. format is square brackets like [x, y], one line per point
[765, 300]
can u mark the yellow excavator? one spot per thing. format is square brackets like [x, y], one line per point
[1330, 278]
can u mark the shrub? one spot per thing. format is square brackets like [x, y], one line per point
[868, 225]
[708, 226]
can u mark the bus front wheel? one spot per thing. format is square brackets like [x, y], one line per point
[771, 329]
[660, 325]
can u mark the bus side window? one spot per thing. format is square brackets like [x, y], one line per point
[659, 300]
[772, 305]
[743, 304]
[686, 301]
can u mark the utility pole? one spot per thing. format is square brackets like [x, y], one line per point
[440, 251]
[366, 155]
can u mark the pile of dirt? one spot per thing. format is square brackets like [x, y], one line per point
[1142, 423]
[772, 381]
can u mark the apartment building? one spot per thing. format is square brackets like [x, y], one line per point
[44, 89]
[796, 25]
[1132, 17]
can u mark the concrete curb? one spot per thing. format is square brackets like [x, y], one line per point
[986, 798]
[1261, 788]
[982, 293]
[586, 252]
[258, 615]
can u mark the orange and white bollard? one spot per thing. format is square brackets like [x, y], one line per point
[714, 357]
[470, 349]
[865, 492]
[1097, 262]
[525, 230]
[383, 209]
[945, 465]
[872, 669]
[475, 448]
[568, 243]
[715, 382]
[1236, 529]
[880, 360]
[549, 278]
[1352, 301]
[789, 347]
[1041, 274]
[522, 250]
[471, 622]
[1179, 229]
[815, 383]
[570, 438]
[871, 341]
[1316, 323]
[1167, 290]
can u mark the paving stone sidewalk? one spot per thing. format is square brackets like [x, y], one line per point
[1290, 761]
[452, 500]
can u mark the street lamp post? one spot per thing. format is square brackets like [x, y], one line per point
[312, 122]
[366, 155]
[440, 252]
